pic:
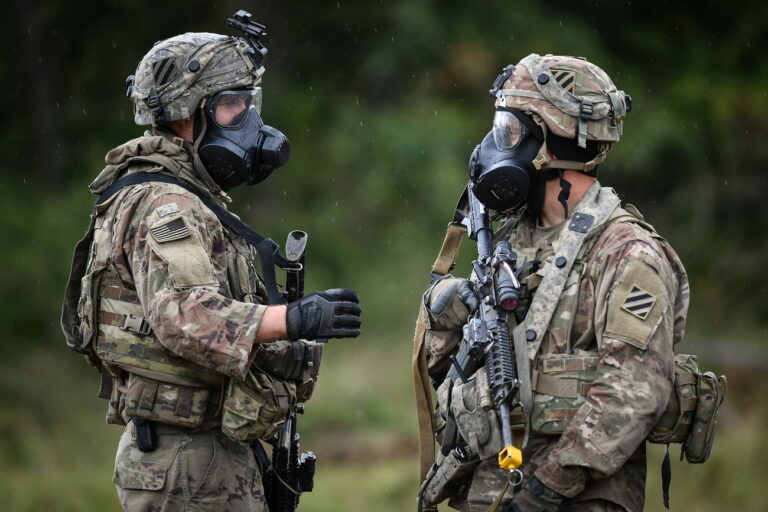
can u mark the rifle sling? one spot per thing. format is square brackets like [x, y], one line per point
[268, 250]
[424, 407]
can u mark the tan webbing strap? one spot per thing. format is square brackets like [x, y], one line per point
[497, 502]
[423, 387]
[597, 204]
[449, 250]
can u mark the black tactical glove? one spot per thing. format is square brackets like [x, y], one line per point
[328, 314]
[536, 497]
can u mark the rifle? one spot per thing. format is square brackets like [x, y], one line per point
[290, 472]
[486, 335]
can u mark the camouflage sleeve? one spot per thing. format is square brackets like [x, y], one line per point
[635, 292]
[173, 250]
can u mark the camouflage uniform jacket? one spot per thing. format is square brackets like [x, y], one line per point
[613, 330]
[195, 281]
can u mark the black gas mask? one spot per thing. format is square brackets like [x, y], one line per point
[237, 147]
[501, 167]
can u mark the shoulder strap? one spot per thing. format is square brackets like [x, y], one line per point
[269, 251]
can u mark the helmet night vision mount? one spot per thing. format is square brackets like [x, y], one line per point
[252, 31]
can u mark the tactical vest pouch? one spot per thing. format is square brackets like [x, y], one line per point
[296, 361]
[183, 406]
[560, 387]
[257, 407]
[78, 316]
[475, 416]
[691, 413]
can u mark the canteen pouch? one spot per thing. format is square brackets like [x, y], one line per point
[173, 404]
[691, 413]
[560, 386]
[256, 407]
[701, 436]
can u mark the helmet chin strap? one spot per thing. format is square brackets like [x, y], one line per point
[565, 192]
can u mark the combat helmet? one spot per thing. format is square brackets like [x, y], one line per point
[569, 97]
[176, 75]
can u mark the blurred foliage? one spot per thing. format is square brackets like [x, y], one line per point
[383, 101]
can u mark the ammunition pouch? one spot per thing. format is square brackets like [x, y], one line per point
[475, 416]
[172, 404]
[295, 361]
[257, 407]
[560, 386]
[691, 413]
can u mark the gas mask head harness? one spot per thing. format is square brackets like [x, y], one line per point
[551, 105]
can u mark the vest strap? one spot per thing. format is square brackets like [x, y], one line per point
[269, 251]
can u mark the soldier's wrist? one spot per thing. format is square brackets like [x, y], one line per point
[273, 325]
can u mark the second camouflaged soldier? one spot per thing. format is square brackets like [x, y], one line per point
[603, 301]
[164, 297]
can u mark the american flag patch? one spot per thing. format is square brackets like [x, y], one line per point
[566, 79]
[172, 230]
[639, 302]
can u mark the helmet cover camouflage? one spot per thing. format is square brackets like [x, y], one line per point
[177, 74]
[574, 98]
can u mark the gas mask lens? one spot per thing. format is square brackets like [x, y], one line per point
[229, 109]
[508, 131]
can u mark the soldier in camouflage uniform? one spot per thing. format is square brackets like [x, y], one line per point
[165, 300]
[599, 314]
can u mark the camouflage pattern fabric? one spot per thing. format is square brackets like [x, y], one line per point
[618, 317]
[184, 266]
[181, 71]
[190, 472]
[197, 288]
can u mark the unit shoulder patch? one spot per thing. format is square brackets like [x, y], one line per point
[639, 302]
[636, 305]
[169, 230]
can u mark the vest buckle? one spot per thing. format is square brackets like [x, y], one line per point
[136, 324]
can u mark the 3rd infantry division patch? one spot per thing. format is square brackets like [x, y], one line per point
[639, 302]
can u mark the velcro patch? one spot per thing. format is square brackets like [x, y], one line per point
[174, 229]
[639, 302]
[167, 209]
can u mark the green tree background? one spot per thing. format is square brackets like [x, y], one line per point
[383, 101]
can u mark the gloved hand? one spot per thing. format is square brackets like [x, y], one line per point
[331, 313]
[536, 497]
[451, 301]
